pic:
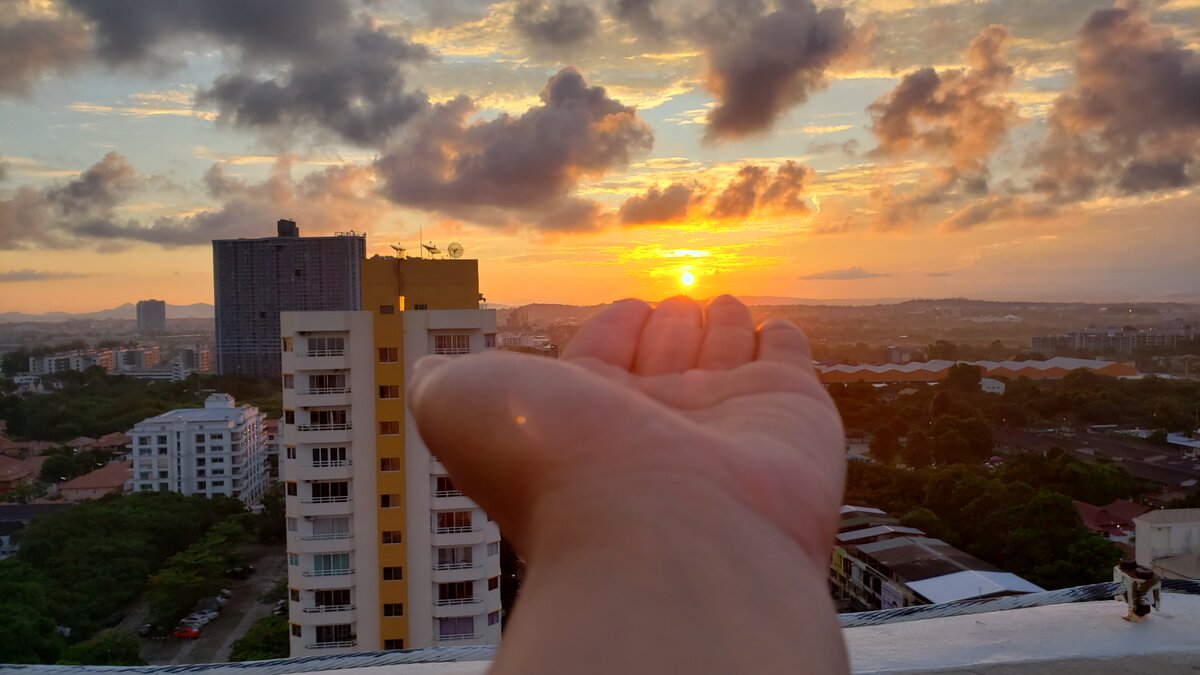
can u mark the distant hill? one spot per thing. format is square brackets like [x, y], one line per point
[128, 311]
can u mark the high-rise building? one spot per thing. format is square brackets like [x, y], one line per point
[151, 317]
[384, 552]
[214, 450]
[256, 279]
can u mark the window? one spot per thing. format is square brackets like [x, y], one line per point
[326, 346]
[493, 548]
[420, 306]
[393, 573]
[162, 487]
[200, 485]
[218, 483]
[456, 591]
[456, 627]
[392, 537]
[493, 583]
[331, 528]
[291, 488]
[493, 618]
[289, 381]
[218, 472]
[389, 391]
[327, 383]
[393, 609]
[393, 644]
[144, 475]
[390, 501]
[330, 491]
[286, 344]
[143, 440]
[200, 438]
[323, 457]
[162, 440]
[390, 428]
[390, 464]
[218, 460]
[296, 630]
[293, 559]
[335, 633]
[387, 309]
[459, 343]
[453, 521]
[489, 340]
[162, 451]
[200, 461]
[289, 416]
[444, 487]
[162, 475]
[389, 354]
[338, 597]
[294, 594]
[290, 451]
[291, 524]
[328, 418]
[331, 564]
[456, 557]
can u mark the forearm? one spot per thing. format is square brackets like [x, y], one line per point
[689, 581]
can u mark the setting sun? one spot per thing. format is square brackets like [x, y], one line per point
[687, 278]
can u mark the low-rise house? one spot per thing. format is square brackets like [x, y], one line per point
[1168, 542]
[108, 479]
[14, 473]
[1113, 521]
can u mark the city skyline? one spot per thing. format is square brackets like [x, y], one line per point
[586, 151]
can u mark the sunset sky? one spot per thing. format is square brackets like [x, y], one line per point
[585, 150]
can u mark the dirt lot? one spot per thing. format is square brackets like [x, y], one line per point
[217, 638]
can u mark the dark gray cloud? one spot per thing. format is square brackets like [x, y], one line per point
[844, 274]
[1131, 119]
[31, 46]
[129, 33]
[3, 171]
[16, 276]
[358, 92]
[557, 24]
[492, 170]
[755, 190]
[640, 15]
[658, 206]
[760, 64]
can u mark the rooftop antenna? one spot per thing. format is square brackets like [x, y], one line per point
[454, 250]
[433, 250]
[398, 249]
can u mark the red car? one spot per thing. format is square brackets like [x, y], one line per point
[186, 633]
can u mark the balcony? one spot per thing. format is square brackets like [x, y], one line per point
[448, 602]
[323, 470]
[458, 637]
[323, 396]
[343, 572]
[451, 500]
[320, 359]
[322, 433]
[327, 609]
[457, 536]
[306, 428]
[325, 506]
[344, 644]
[324, 543]
[453, 572]
[327, 500]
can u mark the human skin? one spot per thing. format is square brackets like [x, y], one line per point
[672, 482]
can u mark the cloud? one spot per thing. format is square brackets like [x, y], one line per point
[31, 45]
[995, 208]
[17, 276]
[762, 64]
[844, 274]
[495, 170]
[658, 206]
[639, 15]
[559, 24]
[1131, 118]
[961, 115]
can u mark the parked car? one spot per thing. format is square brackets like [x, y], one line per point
[186, 633]
[210, 614]
[225, 593]
[198, 619]
[281, 608]
[144, 631]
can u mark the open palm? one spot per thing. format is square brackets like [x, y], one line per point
[679, 399]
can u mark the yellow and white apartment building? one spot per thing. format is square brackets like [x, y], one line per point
[383, 551]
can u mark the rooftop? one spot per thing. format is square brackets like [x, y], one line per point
[1170, 516]
[971, 584]
[111, 475]
[912, 559]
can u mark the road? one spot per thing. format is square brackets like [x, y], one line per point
[217, 638]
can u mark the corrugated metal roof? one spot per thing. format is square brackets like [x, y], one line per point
[972, 584]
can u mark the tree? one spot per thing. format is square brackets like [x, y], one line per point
[963, 377]
[951, 448]
[885, 446]
[926, 521]
[266, 639]
[106, 648]
[57, 468]
[918, 450]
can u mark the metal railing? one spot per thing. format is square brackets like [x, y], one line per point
[316, 353]
[329, 463]
[321, 609]
[456, 566]
[446, 602]
[458, 636]
[326, 537]
[331, 645]
[327, 500]
[343, 572]
[455, 530]
[326, 390]
[343, 426]
[447, 493]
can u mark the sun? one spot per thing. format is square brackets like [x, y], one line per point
[687, 278]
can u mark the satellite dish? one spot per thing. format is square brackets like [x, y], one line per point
[455, 250]
[398, 249]
[433, 250]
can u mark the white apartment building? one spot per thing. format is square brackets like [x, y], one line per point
[384, 552]
[214, 450]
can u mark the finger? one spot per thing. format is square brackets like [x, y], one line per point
[671, 338]
[729, 339]
[612, 335]
[781, 341]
